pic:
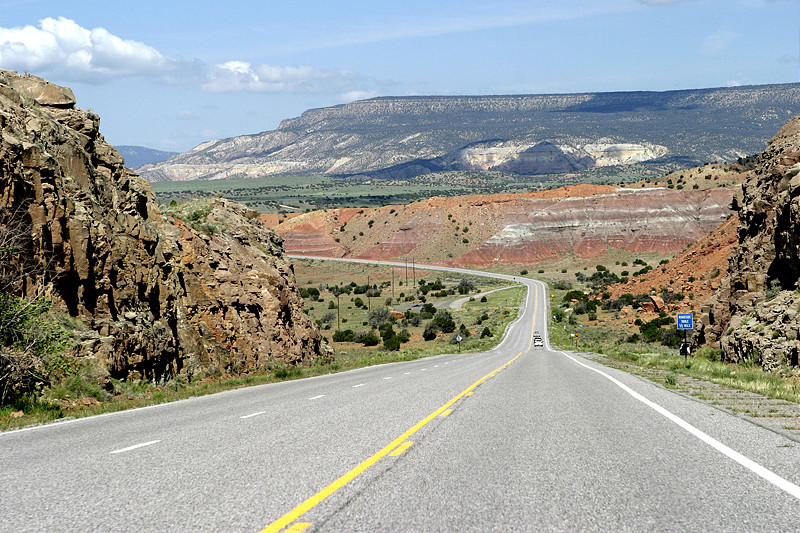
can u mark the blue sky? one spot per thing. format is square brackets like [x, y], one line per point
[172, 74]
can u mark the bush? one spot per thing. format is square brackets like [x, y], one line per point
[574, 295]
[486, 332]
[28, 340]
[444, 321]
[368, 339]
[403, 336]
[430, 331]
[378, 316]
[345, 335]
[392, 343]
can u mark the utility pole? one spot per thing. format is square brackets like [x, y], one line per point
[369, 288]
[414, 272]
[392, 283]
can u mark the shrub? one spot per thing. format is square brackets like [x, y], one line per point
[345, 335]
[28, 340]
[392, 343]
[486, 332]
[444, 321]
[403, 336]
[368, 339]
[379, 316]
[430, 331]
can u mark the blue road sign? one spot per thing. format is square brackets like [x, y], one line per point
[686, 321]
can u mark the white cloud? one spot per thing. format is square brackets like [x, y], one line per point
[718, 42]
[352, 96]
[62, 48]
[242, 76]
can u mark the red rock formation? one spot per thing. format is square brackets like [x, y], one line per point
[515, 228]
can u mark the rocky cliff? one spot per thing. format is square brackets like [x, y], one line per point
[754, 316]
[156, 297]
[402, 137]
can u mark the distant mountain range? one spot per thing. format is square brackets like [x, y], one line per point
[403, 137]
[136, 156]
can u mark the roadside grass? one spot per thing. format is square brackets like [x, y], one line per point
[663, 365]
[78, 396]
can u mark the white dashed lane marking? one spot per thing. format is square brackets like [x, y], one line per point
[135, 446]
[253, 414]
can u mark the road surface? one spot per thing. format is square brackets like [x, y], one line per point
[513, 439]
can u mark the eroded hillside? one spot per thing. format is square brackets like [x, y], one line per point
[529, 228]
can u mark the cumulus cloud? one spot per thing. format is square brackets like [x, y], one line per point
[62, 48]
[243, 76]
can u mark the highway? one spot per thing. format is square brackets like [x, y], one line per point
[514, 439]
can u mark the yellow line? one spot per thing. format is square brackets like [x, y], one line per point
[400, 449]
[298, 527]
[445, 413]
[316, 499]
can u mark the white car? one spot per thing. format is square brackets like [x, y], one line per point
[538, 342]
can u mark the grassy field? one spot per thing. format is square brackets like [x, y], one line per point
[498, 309]
[274, 194]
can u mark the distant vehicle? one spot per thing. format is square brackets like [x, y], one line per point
[537, 335]
[538, 342]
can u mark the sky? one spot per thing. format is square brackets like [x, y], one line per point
[172, 74]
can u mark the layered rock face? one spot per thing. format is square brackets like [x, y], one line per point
[754, 316]
[525, 228]
[158, 297]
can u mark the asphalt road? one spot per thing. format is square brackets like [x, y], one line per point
[514, 439]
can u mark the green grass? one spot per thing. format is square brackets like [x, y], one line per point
[272, 194]
[663, 364]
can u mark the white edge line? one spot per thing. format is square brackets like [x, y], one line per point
[783, 484]
[253, 414]
[359, 385]
[129, 448]
[317, 397]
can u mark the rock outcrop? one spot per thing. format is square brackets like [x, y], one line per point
[402, 137]
[156, 297]
[754, 316]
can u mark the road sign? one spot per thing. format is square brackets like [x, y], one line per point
[685, 321]
[459, 338]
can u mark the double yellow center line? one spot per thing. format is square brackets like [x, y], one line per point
[316, 499]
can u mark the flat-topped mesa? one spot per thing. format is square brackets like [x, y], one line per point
[404, 137]
[156, 297]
